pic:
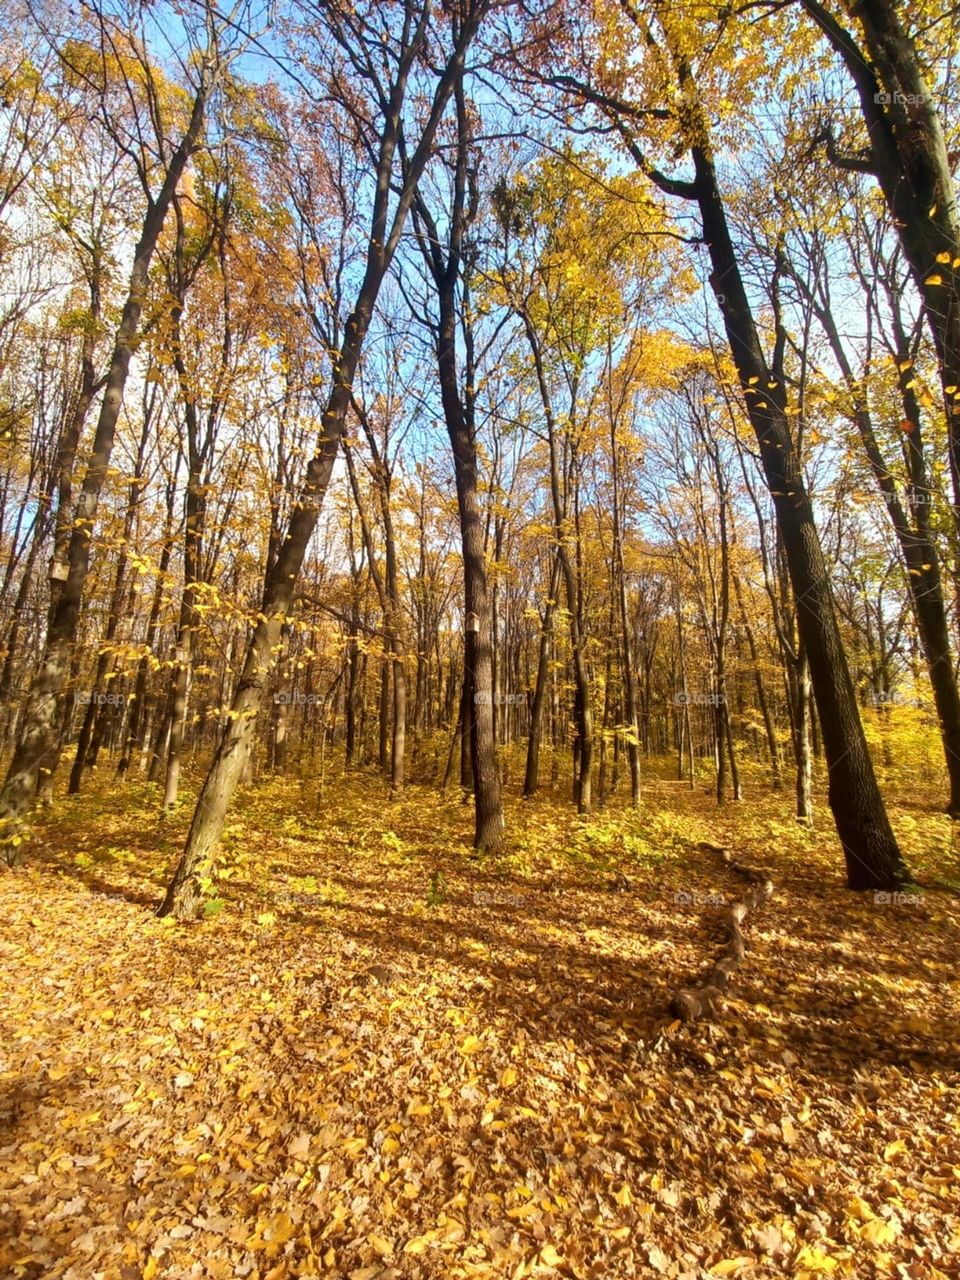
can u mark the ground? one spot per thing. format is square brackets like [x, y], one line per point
[379, 1056]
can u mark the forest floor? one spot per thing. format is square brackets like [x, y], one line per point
[382, 1057]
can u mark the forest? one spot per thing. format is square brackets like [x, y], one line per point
[479, 639]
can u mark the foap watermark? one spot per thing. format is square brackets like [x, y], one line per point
[483, 899]
[691, 898]
[93, 697]
[698, 699]
[883, 898]
[487, 699]
[900, 99]
[892, 699]
[288, 698]
[915, 500]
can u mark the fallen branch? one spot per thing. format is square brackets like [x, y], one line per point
[691, 1003]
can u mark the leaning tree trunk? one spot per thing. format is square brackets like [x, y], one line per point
[233, 751]
[234, 748]
[37, 746]
[872, 856]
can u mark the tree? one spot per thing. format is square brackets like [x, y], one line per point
[384, 96]
[450, 264]
[871, 853]
[99, 65]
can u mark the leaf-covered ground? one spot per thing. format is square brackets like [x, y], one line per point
[381, 1057]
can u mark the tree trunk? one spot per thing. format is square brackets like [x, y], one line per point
[38, 736]
[872, 856]
[626, 645]
[802, 741]
[532, 775]
[773, 746]
[233, 751]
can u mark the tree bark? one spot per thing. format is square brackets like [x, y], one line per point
[233, 751]
[872, 856]
[532, 775]
[37, 745]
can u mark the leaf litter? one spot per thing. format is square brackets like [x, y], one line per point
[386, 1058]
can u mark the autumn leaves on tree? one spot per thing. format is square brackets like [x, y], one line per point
[415, 383]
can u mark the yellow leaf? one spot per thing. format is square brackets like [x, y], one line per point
[150, 1270]
[879, 1231]
[280, 1229]
[382, 1245]
[813, 1259]
[936, 278]
[523, 1210]
[730, 1266]
[894, 1149]
[472, 1044]
[508, 1077]
[859, 1209]
[550, 1257]
[419, 1243]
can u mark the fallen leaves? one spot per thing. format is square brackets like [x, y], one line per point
[505, 1101]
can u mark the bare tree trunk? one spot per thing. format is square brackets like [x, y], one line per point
[626, 644]
[763, 702]
[446, 264]
[383, 744]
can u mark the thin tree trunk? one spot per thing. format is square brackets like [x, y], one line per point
[37, 745]
[532, 774]
[803, 755]
[233, 751]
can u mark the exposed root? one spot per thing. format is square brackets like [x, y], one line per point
[691, 1003]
